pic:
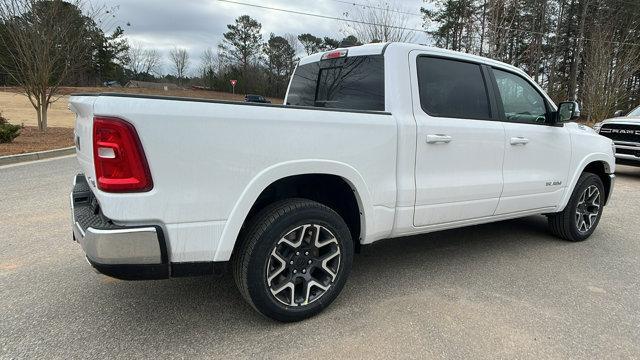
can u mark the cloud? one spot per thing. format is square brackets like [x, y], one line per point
[198, 24]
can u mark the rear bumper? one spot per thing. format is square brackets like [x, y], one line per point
[131, 253]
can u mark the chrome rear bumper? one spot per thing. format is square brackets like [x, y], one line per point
[130, 253]
[120, 246]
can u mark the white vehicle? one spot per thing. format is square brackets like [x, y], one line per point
[625, 133]
[374, 142]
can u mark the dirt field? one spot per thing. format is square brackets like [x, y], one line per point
[31, 140]
[18, 109]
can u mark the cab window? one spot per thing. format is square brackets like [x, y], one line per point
[355, 83]
[452, 89]
[521, 102]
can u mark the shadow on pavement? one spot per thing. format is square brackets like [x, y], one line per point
[191, 306]
[628, 172]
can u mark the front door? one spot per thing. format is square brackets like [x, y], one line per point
[460, 145]
[537, 154]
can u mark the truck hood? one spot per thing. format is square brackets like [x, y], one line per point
[631, 120]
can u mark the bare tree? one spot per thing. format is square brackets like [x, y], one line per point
[610, 67]
[45, 44]
[208, 59]
[208, 67]
[143, 61]
[376, 22]
[294, 42]
[501, 15]
[180, 61]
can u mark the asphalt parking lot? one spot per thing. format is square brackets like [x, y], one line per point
[504, 290]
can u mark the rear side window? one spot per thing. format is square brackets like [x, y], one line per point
[355, 83]
[454, 89]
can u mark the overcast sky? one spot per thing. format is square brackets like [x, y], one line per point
[198, 24]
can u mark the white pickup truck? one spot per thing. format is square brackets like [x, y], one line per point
[625, 133]
[373, 142]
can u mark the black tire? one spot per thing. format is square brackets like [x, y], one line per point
[565, 223]
[265, 232]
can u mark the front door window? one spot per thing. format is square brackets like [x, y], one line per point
[521, 102]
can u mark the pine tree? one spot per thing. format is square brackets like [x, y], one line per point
[241, 45]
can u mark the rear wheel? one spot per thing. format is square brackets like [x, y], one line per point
[294, 259]
[582, 214]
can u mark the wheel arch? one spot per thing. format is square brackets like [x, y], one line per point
[245, 206]
[599, 164]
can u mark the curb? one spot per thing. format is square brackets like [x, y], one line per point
[14, 159]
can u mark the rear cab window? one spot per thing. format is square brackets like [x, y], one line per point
[355, 83]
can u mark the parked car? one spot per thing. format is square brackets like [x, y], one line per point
[625, 133]
[111, 83]
[378, 141]
[256, 99]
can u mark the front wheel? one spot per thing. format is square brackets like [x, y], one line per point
[294, 259]
[582, 214]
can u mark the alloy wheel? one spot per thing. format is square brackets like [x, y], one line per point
[588, 208]
[303, 265]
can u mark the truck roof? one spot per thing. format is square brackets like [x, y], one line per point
[382, 48]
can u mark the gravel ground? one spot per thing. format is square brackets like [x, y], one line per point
[504, 290]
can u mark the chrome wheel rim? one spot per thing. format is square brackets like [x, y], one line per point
[588, 209]
[303, 265]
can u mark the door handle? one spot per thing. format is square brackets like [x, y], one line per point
[520, 140]
[438, 139]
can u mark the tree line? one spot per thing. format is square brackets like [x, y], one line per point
[46, 44]
[586, 50]
[260, 65]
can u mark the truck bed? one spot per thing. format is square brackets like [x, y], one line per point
[228, 102]
[195, 147]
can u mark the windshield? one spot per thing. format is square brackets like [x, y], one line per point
[634, 112]
[355, 82]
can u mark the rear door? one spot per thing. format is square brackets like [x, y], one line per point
[460, 142]
[537, 155]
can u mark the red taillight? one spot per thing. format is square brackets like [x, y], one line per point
[334, 54]
[118, 157]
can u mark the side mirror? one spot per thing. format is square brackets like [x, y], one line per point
[618, 113]
[567, 111]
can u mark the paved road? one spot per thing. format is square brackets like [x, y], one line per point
[505, 290]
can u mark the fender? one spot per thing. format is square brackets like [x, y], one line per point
[282, 170]
[594, 157]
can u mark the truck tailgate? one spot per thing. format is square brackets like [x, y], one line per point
[82, 106]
